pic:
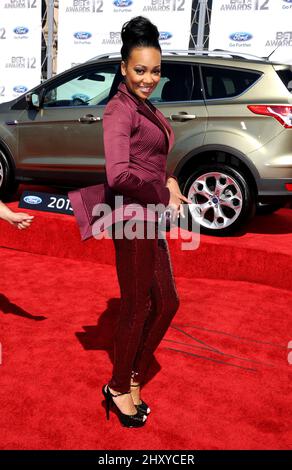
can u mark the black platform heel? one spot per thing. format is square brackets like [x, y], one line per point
[142, 407]
[129, 421]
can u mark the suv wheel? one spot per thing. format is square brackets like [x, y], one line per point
[222, 198]
[7, 184]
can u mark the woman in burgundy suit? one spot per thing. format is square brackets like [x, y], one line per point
[137, 139]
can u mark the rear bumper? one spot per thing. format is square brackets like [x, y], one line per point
[274, 191]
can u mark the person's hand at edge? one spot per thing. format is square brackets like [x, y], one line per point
[18, 219]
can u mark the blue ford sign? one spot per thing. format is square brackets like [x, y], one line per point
[82, 35]
[164, 35]
[123, 3]
[33, 200]
[20, 89]
[21, 30]
[240, 36]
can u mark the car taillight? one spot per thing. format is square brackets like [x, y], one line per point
[282, 113]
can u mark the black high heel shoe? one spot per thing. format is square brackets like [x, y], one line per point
[142, 407]
[129, 421]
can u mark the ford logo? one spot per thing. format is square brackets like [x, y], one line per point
[123, 3]
[32, 200]
[20, 89]
[21, 30]
[240, 36]
[82, 35]
[164, 35]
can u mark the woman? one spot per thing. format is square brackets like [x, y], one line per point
[18, 219]
[137, 139]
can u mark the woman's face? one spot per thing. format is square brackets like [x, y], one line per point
[142, 71]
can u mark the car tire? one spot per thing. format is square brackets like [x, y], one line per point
[222, 198]
[8, 185]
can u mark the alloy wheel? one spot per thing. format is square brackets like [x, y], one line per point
[217, 200]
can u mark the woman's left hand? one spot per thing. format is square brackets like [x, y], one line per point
[177, 209]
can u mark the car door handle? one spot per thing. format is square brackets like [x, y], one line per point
[182, 117]
[11, 123]
[89, 118]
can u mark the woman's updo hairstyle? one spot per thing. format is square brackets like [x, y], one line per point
[138, 32]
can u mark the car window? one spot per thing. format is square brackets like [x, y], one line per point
[179, 82]
[220, 82]
[286, 77]
[90, 88]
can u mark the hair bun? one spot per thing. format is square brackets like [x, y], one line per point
[138, 32]
[139, 28]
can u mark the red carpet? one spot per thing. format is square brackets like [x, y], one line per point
[262, 254]
[224, 380]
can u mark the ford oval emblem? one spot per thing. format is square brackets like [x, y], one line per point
[20, 89]
[21, 30]
[82, 35]
[123, 3]
[164, 35]
[240, 36]
[32, 200]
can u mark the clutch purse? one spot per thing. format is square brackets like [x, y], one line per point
[83, 201]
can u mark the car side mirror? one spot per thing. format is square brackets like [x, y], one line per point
[33, 100]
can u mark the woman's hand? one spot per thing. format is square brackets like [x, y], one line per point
[18, 219]
[176, 199]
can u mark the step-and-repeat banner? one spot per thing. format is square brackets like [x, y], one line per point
[259, 27]
[88, 28]
[20, 47]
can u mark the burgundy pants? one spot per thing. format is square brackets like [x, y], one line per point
[149, 301]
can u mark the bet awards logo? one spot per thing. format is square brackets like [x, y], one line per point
[113, 38]
[245, 5]
[281, 39]
[21, 62]
[85, 6]
[164, 5]
[20, 4]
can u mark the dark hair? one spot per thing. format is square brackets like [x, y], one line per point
[138, 32]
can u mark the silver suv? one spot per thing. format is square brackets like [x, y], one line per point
[231, 114]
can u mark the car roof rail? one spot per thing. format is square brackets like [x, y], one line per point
[215, 52]
[192, 52]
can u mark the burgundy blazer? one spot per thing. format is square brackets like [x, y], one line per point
[136, 146]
